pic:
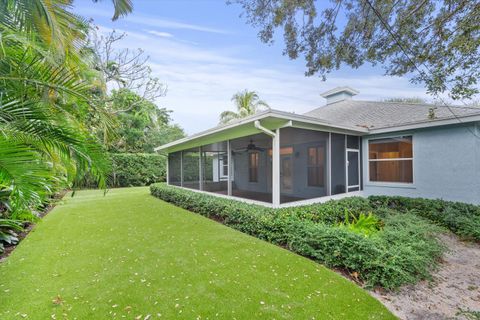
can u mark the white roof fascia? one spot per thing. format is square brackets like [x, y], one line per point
[261, 115]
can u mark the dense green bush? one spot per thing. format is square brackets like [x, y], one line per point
[461, 218]
[137, 169]
[8, 232]
[332, 211]
[404, 251]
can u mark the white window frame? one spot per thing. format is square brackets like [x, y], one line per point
[347, 164]
[386, 183]
[222, 165]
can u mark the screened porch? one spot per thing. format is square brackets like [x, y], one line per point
[275, 167]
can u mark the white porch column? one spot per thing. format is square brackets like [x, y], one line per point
[229, 168]
[181, 168]
[200, 169]
[167, 174]
[276, 168]
[329, 165]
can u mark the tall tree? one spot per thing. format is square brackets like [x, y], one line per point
[435, 41]
[142, 127]
[247, 103]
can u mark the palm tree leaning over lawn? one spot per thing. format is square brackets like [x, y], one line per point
[247, 103]
[45, 102]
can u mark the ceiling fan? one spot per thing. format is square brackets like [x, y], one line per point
[250, 147]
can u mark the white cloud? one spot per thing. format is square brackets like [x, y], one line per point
[171, 24]
[157, 22]
[201, 81]
[160, 33]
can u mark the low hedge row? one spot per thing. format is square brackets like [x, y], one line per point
[461, 218]
[403, 252]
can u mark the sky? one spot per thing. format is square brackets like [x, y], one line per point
[205, 52]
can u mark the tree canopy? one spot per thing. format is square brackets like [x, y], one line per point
[435, 42]
[142, 127]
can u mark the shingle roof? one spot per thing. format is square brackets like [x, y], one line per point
[376, 114]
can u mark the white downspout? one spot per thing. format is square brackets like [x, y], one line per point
[275, 162]
[259, 126]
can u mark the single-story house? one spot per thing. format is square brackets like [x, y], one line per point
[347, 147]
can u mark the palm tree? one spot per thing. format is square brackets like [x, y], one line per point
[51, 21]
[247, 103]
[45, 101]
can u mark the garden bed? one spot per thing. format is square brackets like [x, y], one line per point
[404, 249]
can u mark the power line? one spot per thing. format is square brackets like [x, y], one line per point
[421, 72]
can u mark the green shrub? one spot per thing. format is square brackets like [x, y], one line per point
[137, 169]
[131, 170]
[331, 212]
[404, 251]
[461, 218]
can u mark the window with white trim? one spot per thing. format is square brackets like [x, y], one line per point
[223, 167]
[391, 159]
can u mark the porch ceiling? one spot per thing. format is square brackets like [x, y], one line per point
[271, 119]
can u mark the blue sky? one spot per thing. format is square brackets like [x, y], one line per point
[205, 52]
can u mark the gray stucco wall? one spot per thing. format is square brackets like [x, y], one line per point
[446, 165]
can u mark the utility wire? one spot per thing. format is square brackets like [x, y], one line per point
[421, 72]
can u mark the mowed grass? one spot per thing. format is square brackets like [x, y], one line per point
[129, 255]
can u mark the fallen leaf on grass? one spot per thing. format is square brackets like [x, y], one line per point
[58, 300]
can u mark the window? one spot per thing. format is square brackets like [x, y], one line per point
[316, 160]
[224, 166]
[391, 159]
[253, 167]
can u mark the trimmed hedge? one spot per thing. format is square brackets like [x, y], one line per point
[403, 252]
[461, 218]
[137, 169]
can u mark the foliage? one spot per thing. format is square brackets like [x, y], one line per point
[46, 101]
[139, 124]
[331, 212]
[461, 218]
[404, 251]
[468, 314]
[441, 38]
[366, 225]
[247, 103]
[8, 235]
[132, 255]
[137, 169]
[142, 127]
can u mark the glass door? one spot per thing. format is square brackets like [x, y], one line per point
[353, 170]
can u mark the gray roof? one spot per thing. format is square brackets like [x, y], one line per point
[377, 114]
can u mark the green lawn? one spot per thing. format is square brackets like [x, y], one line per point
[129, 255]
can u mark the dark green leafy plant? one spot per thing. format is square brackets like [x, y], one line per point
[137, 169]
[461, 218]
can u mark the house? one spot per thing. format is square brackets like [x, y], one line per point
[344, 148]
